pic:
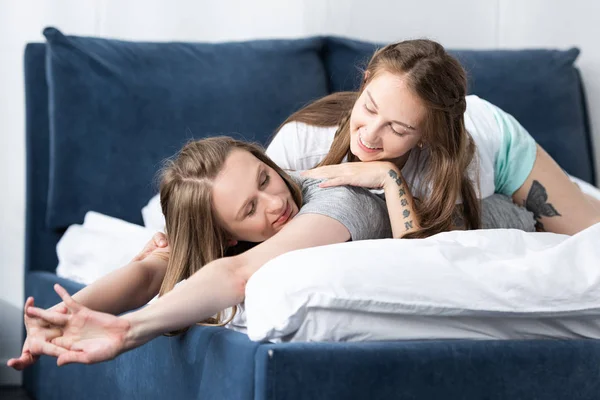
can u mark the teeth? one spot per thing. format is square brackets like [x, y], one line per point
[366, 145]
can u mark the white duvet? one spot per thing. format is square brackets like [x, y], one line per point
[487, 284]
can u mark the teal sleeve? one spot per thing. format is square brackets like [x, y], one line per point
[516, 154]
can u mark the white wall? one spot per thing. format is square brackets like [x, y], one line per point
[456, 24]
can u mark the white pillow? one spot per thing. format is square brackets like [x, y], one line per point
[486, 284]
[153, 216]
[100, 245]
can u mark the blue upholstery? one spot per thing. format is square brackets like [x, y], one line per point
[102, 113]
[452, 369]
[208, 361]
[110, 98]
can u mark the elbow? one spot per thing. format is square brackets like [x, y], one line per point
[239, 279]
[239, 288]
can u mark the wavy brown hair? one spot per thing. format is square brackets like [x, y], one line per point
[194, 233]
[439, 80]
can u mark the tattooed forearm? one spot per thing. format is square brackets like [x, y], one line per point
[395, 177]
[537, 203]
[405, 201]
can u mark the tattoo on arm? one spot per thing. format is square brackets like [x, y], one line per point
[537, 203]
[395, 177]
[403, 201]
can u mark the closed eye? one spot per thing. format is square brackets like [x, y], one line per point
[368, 109]
[265, 181]
[396, 132]
[252, 209]
[262, 185]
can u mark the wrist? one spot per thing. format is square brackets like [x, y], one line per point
[138, 331]
[393, 176]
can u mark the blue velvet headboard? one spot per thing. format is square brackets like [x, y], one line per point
[101, 114]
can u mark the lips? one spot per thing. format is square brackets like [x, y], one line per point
[364, 147]
[285, 215]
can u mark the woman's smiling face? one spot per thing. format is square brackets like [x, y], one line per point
[386, 120]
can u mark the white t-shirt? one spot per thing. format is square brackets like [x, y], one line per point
[504, 158]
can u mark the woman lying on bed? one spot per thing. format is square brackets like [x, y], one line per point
[446, 148]
[217, 196]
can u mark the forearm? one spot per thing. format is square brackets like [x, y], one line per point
[215, 287]
[222, 283]
[124, 289]
[400, 204]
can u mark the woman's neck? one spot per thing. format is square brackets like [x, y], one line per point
[401, 161]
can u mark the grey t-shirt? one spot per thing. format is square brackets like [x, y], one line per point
[364, 214]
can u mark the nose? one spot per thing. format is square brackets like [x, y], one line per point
[274, 204]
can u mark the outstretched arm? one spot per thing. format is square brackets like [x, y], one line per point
[124, 289]
[94, 337]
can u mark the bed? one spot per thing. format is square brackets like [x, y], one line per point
[101, 114]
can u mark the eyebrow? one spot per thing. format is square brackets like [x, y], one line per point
[258, 173]
[396, 122]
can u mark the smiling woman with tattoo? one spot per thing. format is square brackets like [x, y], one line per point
[412, 131]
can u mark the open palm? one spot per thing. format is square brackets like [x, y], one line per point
[88, 336]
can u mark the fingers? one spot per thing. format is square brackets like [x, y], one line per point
[63, 342]
[50, 317]
[61, 309]
[332, 182]
[68, 300]
[17, 364]
[22, 362]
[160, 239]
[47, 348]
[73, 357]
[28, 303]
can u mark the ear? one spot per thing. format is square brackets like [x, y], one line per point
[232, 242]
[367, 74]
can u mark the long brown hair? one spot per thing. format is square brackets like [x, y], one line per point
[194, 234]
[440, 82]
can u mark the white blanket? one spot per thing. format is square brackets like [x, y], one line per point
[486, 284]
